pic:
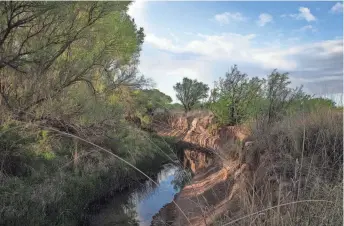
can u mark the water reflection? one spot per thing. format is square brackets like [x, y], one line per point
[181, 178]
[138, 206]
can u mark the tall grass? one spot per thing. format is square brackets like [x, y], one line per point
[49, 179]
[297, 173]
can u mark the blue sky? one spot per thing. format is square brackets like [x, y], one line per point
[202, 40]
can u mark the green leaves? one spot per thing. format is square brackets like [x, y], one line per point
[51, 47]
[190, 92]
[280, 96]
[235, 97]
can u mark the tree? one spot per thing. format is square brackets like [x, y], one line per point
[190, 92]
[234, 97]
[309, 104]
[279, 96]
[153, 99]
[48, 49]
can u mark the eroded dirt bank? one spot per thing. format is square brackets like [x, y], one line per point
[216, 185]
[287, 173]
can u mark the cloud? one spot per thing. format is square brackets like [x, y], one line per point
[308, 28]
[227, 17]
[227, 46]
[264, 18]
[304, 13]
[167, 68]
[137, 11]
[167, 59]
[162, 43]
[207, 51]
[223, 47]
[337, 8]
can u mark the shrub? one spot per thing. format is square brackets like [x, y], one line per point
[300, 162]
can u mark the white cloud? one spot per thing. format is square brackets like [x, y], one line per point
[308, 28]
[337, 8]
[166, 70]
[227, 17]
[162, 43]
[205, 57]
[208, 50]
[264, 18]
[228, 46]
[225, 47]
[137, 11]
[215, 47]
[304, 13]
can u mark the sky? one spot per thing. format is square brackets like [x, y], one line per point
[203, 40]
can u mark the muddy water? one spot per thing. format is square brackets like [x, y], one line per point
[137, 206]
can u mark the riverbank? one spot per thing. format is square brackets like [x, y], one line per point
[137, 205]
[54, 178]
[261, 173]
[208, 190]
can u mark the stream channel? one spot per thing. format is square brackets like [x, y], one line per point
[137, 206]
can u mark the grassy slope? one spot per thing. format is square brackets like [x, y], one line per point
[48, 179]
[298, 178]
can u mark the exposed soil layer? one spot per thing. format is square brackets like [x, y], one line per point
[215, 188]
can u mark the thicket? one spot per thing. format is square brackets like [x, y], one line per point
[237, 98]
[68, 78]
[298, 172]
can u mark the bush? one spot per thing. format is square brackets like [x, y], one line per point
[49, 179]
[299, 161]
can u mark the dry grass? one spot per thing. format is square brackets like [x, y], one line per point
[47, 178]
[298, 176]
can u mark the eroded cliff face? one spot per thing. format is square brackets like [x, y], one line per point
[247, 177]
[201, 131]
[216, 186]
[205, 140]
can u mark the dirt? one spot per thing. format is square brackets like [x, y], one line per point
[216, 186]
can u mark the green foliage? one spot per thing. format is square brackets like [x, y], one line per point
[70, 67]
[45, 184]
[147, 101]
[190, 92]
[280, 97]
[62, 46]
[220, 110]
[175, 106]
[234, 98]
[140, 103]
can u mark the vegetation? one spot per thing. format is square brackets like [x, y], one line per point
[74, 113]
[234, 97]
[299, 175]
[65, 68]
[297, 153]
[237, 99]
[190, 92]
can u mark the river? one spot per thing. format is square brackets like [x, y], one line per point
[138, 205]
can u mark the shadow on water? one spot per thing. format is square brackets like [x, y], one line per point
[137, 206]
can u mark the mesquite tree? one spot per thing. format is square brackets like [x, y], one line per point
[50, 49]
[190, 92]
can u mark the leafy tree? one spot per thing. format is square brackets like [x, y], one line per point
[279, 96]
[175, 106]
[190, 92]
[234, 97]
[48, 49]
[140, 104]
[309, 104]
[153, 99]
